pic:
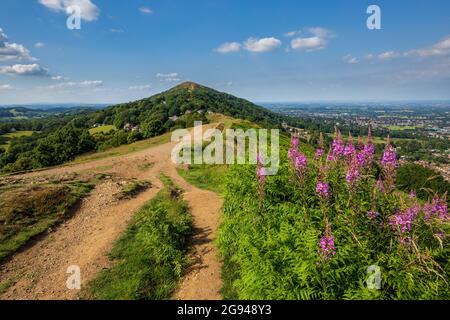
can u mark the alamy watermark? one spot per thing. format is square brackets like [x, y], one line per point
[74, 20]
[74, 280]
[233, 146]
[374, 20]
[374, 280]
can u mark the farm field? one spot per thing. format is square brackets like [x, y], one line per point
[12, 135]
[104, 129]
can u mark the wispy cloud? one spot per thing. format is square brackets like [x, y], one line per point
[350, 59]
[439, 49]
[25, 70]
[291, 34]
[89, 11]
[13, 51]
[77, 84]
[145, 10]
[39, 45]
[140, 87]
[168, 77]
[229, 47]
[388, 55]
[6, 87]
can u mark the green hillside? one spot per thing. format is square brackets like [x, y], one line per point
[62, 138]
[187, 101]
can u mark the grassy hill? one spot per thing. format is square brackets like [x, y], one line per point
[64, 137]
[188, 99]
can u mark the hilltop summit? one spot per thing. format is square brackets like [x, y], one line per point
[189, 85]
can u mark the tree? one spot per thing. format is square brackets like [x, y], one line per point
[152, 128]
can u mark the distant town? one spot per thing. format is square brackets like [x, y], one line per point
[420, 130]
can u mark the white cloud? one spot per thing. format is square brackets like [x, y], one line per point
[308, 44]
[317, 41]
[439, 49]
[25, 70]
[229, 47]
[291, 34]
[39, 44]
[261, 45]
[321, 32]
[146, 10]
[350, 59]
[80, 84]
[388, 55]
[3, 37]
[89, 11]
[168, 77]
[116, 30]
[6, 87]
[60, 78]
[141, 87]
[13, 51]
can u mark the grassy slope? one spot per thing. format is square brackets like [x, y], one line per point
[150, 257]
[209, 177]
[104, 129]
[124, 149]
[28, 211]
[13, 135]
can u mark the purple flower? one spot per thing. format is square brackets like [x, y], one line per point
[300, 161]
[412, 195]
[361, 158]
[372, 214]
[338, 147]
[327, 243]
[438, 208]
[369, 150]
[389, 163]
[353, 175]
[349, 150]
[380, 185]
[260, 171]
[323, 190]
[330, 156]
[403, 221]
[319, 153]
[389, 159]
[261, 174]
[294, 142]
[440, 235]
[292, 153]
[259, 159]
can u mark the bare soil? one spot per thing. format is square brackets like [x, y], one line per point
[39, 271]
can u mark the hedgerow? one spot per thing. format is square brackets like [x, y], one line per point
[326, 224]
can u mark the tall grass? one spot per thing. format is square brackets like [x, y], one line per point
[26, 212]
[149, 259]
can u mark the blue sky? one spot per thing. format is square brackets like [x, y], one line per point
[288, 50]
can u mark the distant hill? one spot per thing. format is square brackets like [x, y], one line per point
[11, 113]
[184, 99]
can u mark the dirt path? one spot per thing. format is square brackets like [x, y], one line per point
[39, 271]
[203, 280]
